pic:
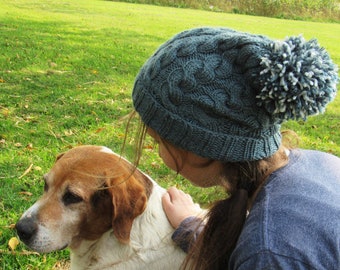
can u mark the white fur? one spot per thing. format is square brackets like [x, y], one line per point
[51, 234]
[150, 244]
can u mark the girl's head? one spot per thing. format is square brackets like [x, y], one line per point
[223, 94]
[206, 172]
[214, 99]
[203, 172]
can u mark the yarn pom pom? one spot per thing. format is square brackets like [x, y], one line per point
[298, 79]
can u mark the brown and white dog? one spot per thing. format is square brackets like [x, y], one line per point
[107, 213]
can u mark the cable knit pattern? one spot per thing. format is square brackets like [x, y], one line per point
[201, 90]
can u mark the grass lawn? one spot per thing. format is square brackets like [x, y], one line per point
[66, 73]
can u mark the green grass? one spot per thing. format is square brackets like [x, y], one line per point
[310, 10]
[66, 73]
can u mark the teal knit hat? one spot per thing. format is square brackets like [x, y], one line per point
[223, 94]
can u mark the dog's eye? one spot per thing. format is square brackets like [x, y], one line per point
[70, 198]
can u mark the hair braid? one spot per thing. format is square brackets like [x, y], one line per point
[220, 235]
[227, 217]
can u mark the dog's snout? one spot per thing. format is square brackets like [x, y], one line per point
[26, 229]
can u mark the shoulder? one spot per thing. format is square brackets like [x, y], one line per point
[296, 215]
[307, 158]
[315, 156]
[306, 171]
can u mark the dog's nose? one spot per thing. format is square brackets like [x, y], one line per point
[26, 229]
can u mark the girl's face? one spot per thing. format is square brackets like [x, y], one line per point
[200, 171]
[168, 156]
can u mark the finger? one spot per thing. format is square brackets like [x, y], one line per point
[166, 199]
[173, 193]
[173, 190]
[188, 196]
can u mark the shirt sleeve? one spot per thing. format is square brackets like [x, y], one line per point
[187, 232]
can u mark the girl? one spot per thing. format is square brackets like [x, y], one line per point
[214, 99]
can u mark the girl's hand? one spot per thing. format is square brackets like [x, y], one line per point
[179, 206]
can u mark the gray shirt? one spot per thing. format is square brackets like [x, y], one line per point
[295, 220]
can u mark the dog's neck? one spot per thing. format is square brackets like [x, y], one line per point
[150, 243]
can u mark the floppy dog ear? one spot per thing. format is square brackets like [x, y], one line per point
[59, 156]
[129, 201]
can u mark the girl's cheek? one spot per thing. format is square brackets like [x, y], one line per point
[166, 157]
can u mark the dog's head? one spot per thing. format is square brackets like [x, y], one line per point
[88, 191]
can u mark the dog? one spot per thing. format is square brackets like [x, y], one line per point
[105, 210]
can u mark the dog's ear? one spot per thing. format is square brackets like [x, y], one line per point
[59, 156]
[129, 200]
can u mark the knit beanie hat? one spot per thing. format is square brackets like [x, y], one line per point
[223, 94]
